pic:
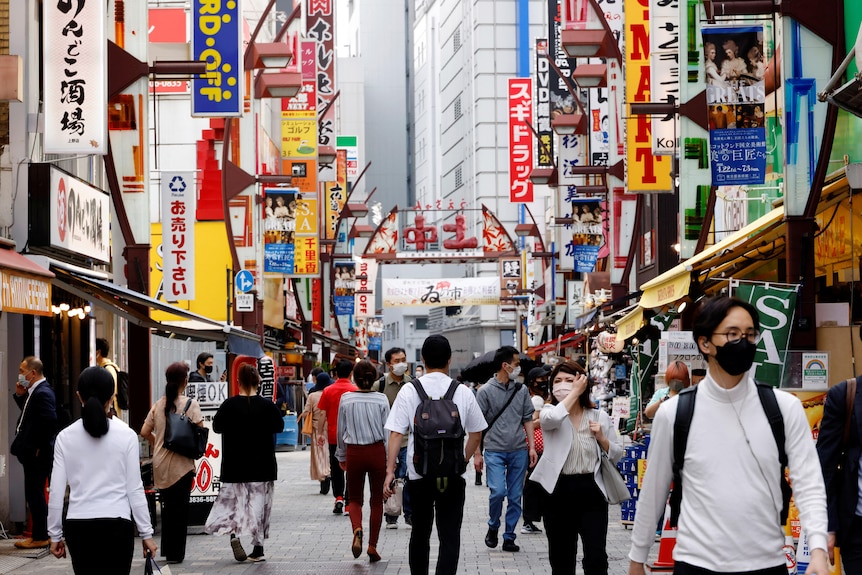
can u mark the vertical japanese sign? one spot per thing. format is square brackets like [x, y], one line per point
[75, 77]
[178, 235]
[664, 70]
[335, 194]
[735, 94]
[776, 306]
[320, 27]
[350, 144]
[545, 143]
[520, 139]
[216, 41]
[306, 259]
[646, 171]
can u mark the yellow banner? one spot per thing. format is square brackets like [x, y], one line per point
[22, 293]
[646, 172]
[630, 324]
[667, 291]
[210, 271]
[306, 259]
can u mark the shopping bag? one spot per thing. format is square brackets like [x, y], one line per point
[153, 568]
[392, 506]
[307, 424]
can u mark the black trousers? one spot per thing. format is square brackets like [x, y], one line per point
[175, 517]
[36, 473]
[851, 550]
[100, 545]
[681, 568]
[339, 485]
[577, 507]
[446, 498]
[533, 499]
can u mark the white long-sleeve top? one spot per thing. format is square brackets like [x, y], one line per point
[731, 497]
[104, 478]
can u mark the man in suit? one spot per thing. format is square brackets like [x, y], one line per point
[843, 477]
[34, 444]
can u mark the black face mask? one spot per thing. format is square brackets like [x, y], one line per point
[208, 368]
[736, 358]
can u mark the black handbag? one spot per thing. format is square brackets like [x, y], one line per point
[184, 437]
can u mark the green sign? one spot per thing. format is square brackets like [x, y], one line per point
[776, 306]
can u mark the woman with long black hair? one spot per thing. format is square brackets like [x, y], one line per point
[98, 458]
[173, 473]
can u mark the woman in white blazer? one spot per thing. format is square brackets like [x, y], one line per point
[576, 435]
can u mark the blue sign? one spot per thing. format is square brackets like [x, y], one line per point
[738, 156]
[278, 258]
[244, 281]
[216, 41]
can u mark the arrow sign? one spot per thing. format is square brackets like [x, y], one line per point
[244, 281]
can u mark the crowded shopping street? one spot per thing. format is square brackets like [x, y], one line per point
[306, 538]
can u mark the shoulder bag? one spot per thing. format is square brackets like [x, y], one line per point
[616, 490]
[184, 437]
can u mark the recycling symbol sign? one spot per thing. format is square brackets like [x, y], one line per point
[177, 184]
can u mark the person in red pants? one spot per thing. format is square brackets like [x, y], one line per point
[362, 451]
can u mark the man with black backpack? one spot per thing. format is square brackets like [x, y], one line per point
[438, 413]
[726, 454]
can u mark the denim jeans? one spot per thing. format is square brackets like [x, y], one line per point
[506, 471]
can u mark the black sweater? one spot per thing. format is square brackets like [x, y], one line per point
[247, 425]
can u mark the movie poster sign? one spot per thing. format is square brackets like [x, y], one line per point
[734, 68]
[279, 229]
[587, 234]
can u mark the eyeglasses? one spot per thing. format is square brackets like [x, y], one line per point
[733, 335]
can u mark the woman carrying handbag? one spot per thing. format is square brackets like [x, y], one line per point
[173, 473]
[570, 471]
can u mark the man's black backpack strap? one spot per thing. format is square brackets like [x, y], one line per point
[684, 413]
[681, 426]
[776, 423]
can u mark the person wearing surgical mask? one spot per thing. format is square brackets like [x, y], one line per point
[390, 385]
[731, 461]
[508, 410]
[204, 370]
[576, 437]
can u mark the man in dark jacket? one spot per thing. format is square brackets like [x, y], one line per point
[843, 477]
[204, 368]
[34, 444]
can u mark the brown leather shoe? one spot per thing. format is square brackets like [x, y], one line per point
[33, 544]
[373, 555]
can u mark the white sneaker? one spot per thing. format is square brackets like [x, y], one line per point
[392, 526]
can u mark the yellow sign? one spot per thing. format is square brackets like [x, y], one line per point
[646, 172]
[667, 291]
[299, 138]
[210, 272]
[306, 259]
[21, 293]
[630, 324]
[306, 216]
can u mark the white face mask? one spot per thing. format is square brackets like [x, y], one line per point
[516, 371]
[562, 390]
[400, 369]
[22, 379]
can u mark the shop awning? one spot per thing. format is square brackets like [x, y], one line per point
[12, 260]
[674, 283]
[123, 301]
[628, 325]
[339, 346]
[557, 344]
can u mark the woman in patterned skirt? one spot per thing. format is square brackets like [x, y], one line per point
[246, 423]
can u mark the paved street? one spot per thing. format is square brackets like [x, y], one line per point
[306, 538]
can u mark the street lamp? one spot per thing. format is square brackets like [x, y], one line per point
[277, 85]
[592, 38]
[569, 124]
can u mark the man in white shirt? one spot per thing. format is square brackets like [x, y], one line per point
[731, 475]
[432, 497]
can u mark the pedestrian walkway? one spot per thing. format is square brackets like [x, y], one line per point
[307, 539]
